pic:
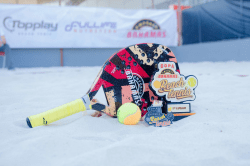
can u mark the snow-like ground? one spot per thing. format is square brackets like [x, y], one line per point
[219, 133]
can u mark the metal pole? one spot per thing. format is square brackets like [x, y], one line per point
[61, 52]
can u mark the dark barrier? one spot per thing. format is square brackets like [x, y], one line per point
[27, 57]
[218, 20]
[229, 50]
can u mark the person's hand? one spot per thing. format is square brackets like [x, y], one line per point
[96, 114]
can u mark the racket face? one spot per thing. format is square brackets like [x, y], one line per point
[126, 75]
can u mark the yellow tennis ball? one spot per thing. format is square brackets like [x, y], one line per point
[129, 114]
[192, 82]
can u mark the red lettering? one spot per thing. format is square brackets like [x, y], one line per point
[140, 34]
[135, 34]
[159, 34]
[153, 34]
[129, 35]
[164, 34]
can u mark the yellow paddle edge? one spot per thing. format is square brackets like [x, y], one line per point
[60, 112]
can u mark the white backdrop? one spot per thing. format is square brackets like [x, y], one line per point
[33, 26]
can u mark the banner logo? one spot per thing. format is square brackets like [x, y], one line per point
[146, 29]
[171, 84]
[11, 25]
[77, 26]
[145, 22]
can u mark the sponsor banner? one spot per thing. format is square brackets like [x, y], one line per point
[33, 26]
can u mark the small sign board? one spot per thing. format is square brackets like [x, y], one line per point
[171, 84]
[176, 89]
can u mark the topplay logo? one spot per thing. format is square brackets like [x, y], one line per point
[11, 25]
[146, 29]
[136, 84]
